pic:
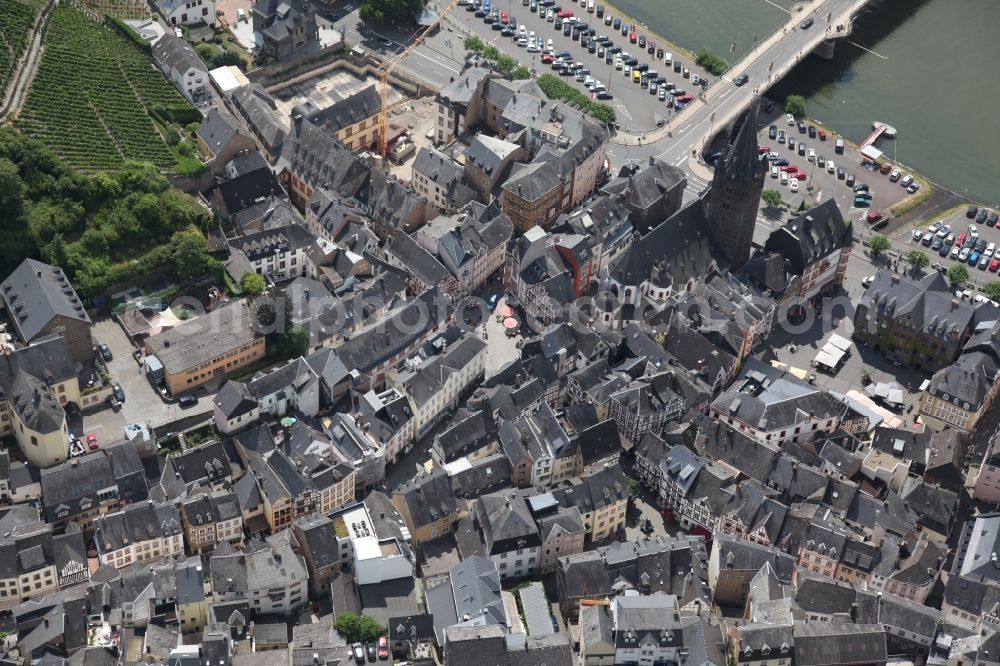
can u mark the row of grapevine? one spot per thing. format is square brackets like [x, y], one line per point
[123, 9]
[90, 96]
[16, 20]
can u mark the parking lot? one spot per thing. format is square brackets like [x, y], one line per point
[142, 403]
[958, 223]
[635, 107]
[820, 184]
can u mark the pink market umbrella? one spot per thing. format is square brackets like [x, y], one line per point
[511, 323]
[507, 311]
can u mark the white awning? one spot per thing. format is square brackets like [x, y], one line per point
[840, 342]
[827, 359]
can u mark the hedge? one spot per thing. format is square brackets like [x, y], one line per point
[556, 88]
[131, 35]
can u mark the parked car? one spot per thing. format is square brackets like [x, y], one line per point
[917, 234]
[927, 239]
[92, 441]
[850, 180]
[187, 400]
[359, 652]
[790, 118]
[372, 651]
[383, 642]
[906, 180]
[994, 265]
[895, 175]
[971, 211]
[873, 216]
[949, 240]
[118, 392]
[105, 352]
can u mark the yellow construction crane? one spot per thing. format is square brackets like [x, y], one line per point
[386, 69]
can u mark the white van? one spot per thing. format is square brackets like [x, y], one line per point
[241, 15]
[548, 45]
[590, 6]
[522, 31]
[667, 58]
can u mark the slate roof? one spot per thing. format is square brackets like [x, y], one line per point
[743, 555]
[768, 399]
[66, 485]
[461, 90]
[928, 301]
[260, 111]
[533, 181]
[970, 380]
[216, 131]
[506, 523]
[824, 643]
[429, 497]
[248, 190]
[135, 524]
[424, 265]
[320, 160]
[430, 379]
[396, 332]
[178, 55]
[811, 236]
[35, 293]
[35, 404]
[672, 253]
[348, 111]
[437, 167]
[191, 343]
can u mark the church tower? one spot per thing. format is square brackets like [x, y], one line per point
[734, 197]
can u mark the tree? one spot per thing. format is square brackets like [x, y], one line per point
[771, 197]
[917, 260]
[253, 284]
[520, 72]
[958, 275]
[390, 11]
[506, 64]
[190, 254]
[292, 343]
[715, 64]
[354, 629]
[633, 487]
[992, 291]
[795, 105]
[878, 244]
[11, 189]
[474, 44]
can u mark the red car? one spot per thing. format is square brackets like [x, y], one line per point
[504, 18]
[684, 99]
[801, 175]
[873, 216]
[565, 14]
[761, 149]
[822, 135]
[383, 647]
[960, 241]
[92, 441]
[793, 169]
[632, 37]
[994, 265]
[547, 58]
